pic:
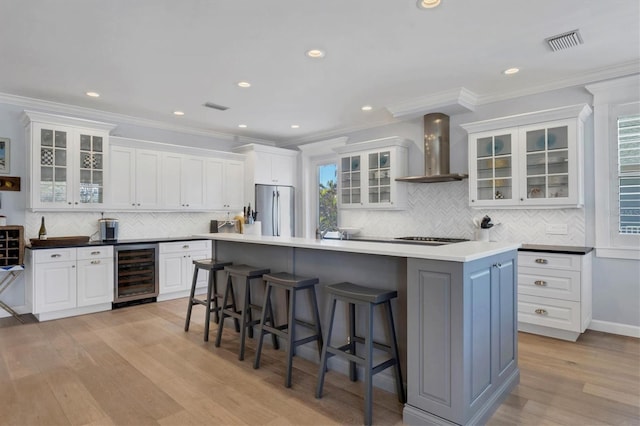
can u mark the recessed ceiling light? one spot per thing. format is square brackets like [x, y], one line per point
[244, 84]
[93, 94]
[295, 126]
[510, 71]
[428, 4]
[367, 108]
[178, 113]
[242, 126]
[315, 53]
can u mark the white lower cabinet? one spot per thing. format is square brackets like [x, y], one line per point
[176, 267]
[70, 281]
[554, 293]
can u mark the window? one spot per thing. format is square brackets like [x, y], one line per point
[616, 105]
[629, 174]
[327, 196]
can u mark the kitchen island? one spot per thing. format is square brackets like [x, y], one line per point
[456, 313]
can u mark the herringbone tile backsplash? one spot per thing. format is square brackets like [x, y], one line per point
[442, 210]
[438, 209]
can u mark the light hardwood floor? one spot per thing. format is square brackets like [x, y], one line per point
[137, 366]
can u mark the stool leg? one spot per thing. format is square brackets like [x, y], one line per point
[191, 296]
[368, 367]
[249, 310]
[272, 320]
[207, 314]
[291, 336]
[316, 317]
[246, 310]
[323, 356]
[394, 352]
[353, 373]
[234, 305]
[263, 318]
[224, 306]
[216, 307]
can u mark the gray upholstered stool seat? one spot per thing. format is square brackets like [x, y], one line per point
[291, 284]
[368, 298]
[211, 266]
[245, 314]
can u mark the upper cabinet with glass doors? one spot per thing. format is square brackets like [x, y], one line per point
[367, 173]
[533, 159]
[67, 162]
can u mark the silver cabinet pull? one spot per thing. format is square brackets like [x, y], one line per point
[93, 253]
[56, 255]
[541, 311]
[95, 262]
[542, 261]
[540, 283]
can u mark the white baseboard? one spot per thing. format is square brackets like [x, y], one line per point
[615, 328]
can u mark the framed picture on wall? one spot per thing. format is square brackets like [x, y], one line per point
[5, 155]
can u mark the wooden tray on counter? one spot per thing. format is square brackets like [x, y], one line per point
[59, 241]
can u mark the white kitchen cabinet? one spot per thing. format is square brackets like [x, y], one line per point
[554, 293]
[183, 182]
[135, 174]
[70, 281]
[67, 162]
[528, 160]
[267, 165]
[368, 171]
[176, 267]
[224, 182]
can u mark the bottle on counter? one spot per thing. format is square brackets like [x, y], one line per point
[42, 233]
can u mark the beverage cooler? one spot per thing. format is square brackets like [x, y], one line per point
[136, 272]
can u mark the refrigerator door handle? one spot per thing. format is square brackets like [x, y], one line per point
[273, 214]
[279, 219]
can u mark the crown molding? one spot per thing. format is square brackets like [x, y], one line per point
[94, 114]
[606, 73]
[454, 101]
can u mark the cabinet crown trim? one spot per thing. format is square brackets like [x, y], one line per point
[41, 117]
[119, 141]
[579, 111]
[374, 144]
[265, 148]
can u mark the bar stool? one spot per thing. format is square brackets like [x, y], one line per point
[212, 266]
[245, 315]
[354, 294]
[291, 284]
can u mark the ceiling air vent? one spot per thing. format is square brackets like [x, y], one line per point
[216, 106]
[564, 40]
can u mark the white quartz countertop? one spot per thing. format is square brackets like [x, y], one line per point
[458, 252]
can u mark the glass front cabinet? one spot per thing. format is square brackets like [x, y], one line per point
[67, 161]
[368, 171]
[537, 161]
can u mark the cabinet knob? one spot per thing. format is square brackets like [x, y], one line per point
[186, 246]
[138, 204]
[541, 311]
[95, 262]
[497, 265]
[133, 204]
[542, 261]
[73, 266]
[76, 203]
[69, 203]
[540, 283]
[521, 199]
[473, 201]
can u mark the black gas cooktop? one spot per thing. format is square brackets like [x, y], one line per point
[431, 240]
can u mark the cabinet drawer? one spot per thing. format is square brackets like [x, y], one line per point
[554, 313]
[54, 255]
[99, 252]
[545, 260]
[558, 284]
[183, 246]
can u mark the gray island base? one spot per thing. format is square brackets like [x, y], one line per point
[456, 313]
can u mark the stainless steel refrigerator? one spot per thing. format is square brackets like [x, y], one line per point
[276, 207]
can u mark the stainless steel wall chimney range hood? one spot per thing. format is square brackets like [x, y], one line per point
[436, 152]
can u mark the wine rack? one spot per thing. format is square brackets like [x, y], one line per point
[11, 245]
[136, 272]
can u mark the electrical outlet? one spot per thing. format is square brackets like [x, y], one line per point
[557, 228]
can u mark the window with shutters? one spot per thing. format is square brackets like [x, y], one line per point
[628, 175]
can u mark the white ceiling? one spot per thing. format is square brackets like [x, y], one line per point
[150, 57]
